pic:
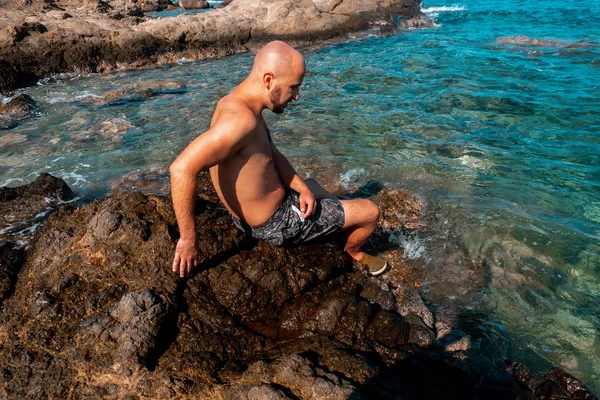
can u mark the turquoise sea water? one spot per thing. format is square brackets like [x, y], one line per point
[499, 136]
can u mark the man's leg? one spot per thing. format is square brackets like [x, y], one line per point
[360, 218]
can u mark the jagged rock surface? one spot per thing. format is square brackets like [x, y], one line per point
[97, 313]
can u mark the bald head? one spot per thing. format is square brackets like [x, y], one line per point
[276, 76]
[279, 59]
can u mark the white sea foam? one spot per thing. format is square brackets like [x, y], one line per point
[412, 246]
[475, 163]
[64, 98]
[73, 177]
[10, 180]
[349, 179]
[439, 9]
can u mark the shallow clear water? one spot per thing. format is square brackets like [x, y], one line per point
[500, 140]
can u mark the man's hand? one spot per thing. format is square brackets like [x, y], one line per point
[185, 257]
[308, 204]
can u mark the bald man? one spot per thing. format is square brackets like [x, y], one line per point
[255, 182]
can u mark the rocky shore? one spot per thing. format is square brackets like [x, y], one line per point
[42, 38]
[91, 310]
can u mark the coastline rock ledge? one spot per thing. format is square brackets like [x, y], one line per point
[96, 312]
[96, 37]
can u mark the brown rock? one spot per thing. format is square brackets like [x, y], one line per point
[22, 206]
[193, 4]
[113, 40]
[11, 261]
[19, 106]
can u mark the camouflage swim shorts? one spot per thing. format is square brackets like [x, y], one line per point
[287, 227]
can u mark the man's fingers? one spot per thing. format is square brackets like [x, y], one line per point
[176, 262]
[312, 207]
[182, 268]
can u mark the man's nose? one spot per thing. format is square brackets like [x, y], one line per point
[296, 94]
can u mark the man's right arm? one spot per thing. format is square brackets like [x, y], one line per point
[221, 141]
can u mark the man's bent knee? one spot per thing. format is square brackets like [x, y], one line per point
[373, 211]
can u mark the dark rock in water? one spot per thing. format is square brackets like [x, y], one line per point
[21, 206]
[573, 386]
[11, 261]
[140, 91]
[19, 105]
[398, 208]
[193, 4]
[98, 313]
[6, 124]
[556, 384]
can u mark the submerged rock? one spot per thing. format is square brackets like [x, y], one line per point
[10, 138]
[22, 206]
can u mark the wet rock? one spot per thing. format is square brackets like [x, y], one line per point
[19, 105]
[571, 385]
[456, 343]
[6, 124]
[22, 206]
[398, 209]
[153, 180]
[376, 294]
[410, 302]
[556, 384]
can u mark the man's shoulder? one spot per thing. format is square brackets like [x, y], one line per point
[234, 111]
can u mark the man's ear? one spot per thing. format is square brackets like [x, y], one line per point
[268, 80]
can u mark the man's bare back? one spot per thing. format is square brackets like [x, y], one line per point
[247, 182]
[255, 182]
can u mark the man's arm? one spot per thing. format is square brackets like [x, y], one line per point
[221, 141]
[291, 178]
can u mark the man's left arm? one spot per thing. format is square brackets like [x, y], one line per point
[291, 178]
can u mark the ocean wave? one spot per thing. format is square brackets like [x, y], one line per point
[438, 9]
